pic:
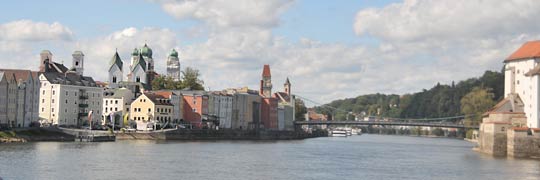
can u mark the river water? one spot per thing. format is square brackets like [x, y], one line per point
[357, 157]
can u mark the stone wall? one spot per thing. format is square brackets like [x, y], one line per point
[521, 144]
[493, 138]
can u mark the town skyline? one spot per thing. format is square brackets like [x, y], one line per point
[349, 48]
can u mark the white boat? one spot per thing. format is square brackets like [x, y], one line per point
[339, 133]
[354, 132]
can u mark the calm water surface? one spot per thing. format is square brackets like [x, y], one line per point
[357, 157]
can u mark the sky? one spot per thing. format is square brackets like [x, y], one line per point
[328, 49]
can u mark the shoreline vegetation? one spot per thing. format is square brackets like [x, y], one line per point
[415, 132]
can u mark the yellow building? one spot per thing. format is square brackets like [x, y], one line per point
[150, 111]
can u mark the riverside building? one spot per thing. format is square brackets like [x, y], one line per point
[66, 97]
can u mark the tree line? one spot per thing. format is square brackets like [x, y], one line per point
[471, 96]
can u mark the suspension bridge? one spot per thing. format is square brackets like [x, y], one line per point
[442, 122]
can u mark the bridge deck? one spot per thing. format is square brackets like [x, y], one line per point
[385, 123]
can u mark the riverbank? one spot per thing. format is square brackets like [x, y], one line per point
[34, 135]
[66, 134]
[204, 134]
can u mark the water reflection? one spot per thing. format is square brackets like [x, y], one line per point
[359, 157]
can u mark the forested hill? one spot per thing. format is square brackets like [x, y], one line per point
[439, 101]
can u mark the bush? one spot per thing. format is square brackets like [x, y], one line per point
[437, 132]
[469, 134]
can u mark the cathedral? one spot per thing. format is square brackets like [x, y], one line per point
[141, 69]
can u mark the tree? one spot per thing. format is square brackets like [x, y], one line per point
[475, 103]
[191, 79]
[300, 110]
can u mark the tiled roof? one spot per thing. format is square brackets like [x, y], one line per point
[116, 61]
[140, 61]
[165, 94]
[158, 99]
[283, 96]
[266, 71]
[528, 50]
[70, 79]
[20, 74]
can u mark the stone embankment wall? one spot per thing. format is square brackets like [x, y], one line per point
[493, 139]
[504, 140]
[523, 143]
[184, 134]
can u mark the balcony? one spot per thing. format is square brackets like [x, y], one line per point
[83, 97]
[83, 105]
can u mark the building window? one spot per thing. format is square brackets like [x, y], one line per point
[67, 93]
[116, 102]
[52, 109]
[53, 92]
[52, 100]
[114, 79]
[138, 79]
[42, 100]
[66, 101]
[194, 110]
[149, 110]
[115, 109]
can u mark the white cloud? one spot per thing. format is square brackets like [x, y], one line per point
[21, 40]
[99, 51]
[418, 20]
[27, 30]
[228, 13]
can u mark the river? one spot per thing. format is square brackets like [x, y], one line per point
[357, 157]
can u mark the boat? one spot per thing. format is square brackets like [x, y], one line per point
[354, 132]
[338, 133]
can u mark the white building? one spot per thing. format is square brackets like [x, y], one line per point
[522, 72]
[116, 102]
[67, 98]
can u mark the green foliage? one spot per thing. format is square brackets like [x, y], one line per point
[300, 110]
[190, 80]
[437, 132]
[478, 101]
[439, 101]
[469, 134]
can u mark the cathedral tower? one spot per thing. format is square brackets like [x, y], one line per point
[115, 71]
[173, 66]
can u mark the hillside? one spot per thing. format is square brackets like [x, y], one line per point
[439, 101]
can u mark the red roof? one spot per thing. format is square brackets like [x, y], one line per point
[266, 71]
[528, 50]
[166, 94]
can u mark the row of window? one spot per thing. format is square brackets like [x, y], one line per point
[110, 101]
[160, 110]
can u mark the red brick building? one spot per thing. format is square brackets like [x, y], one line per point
[195, 106]
[269, 104]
